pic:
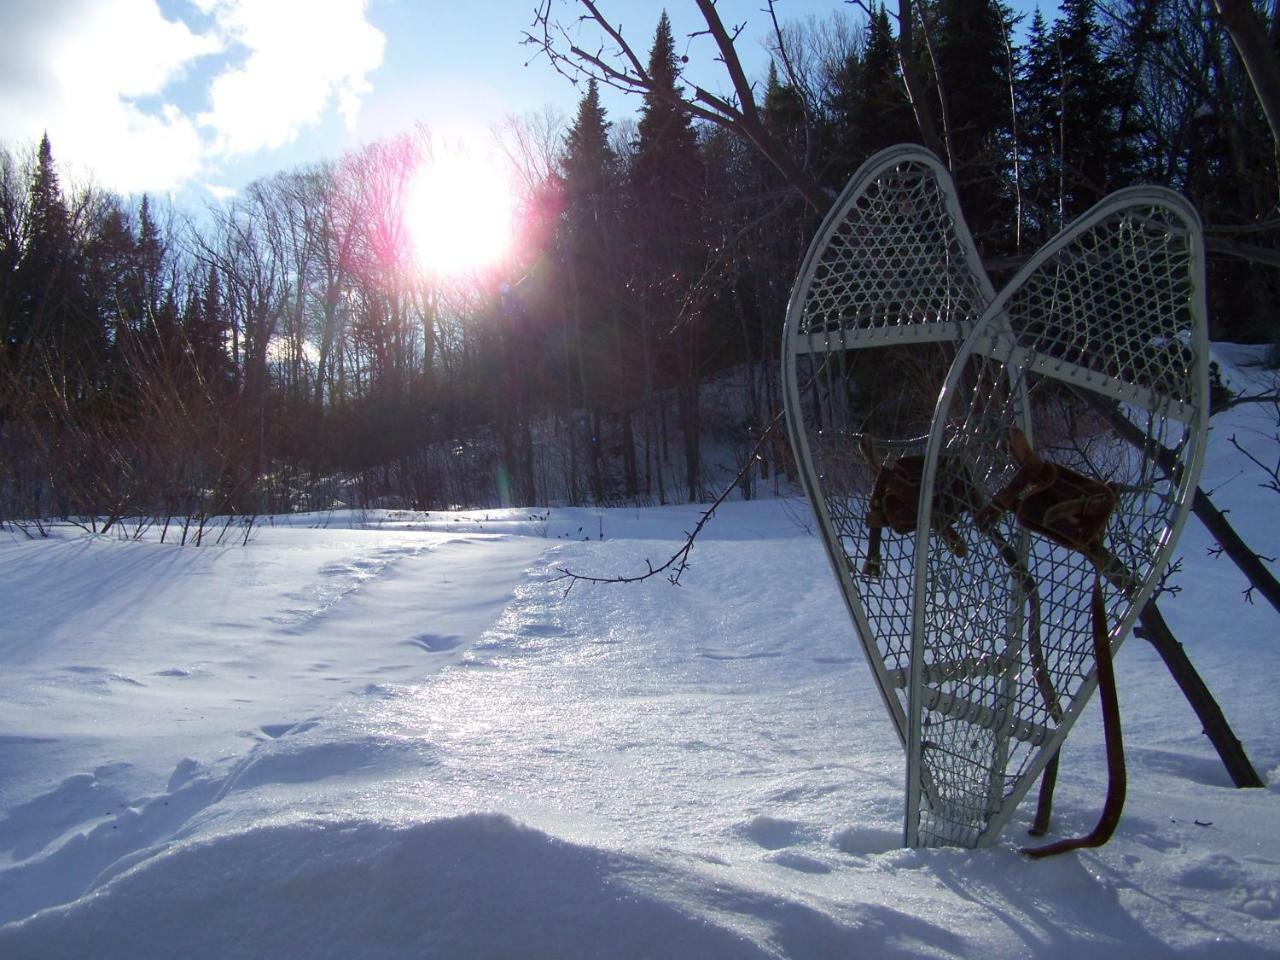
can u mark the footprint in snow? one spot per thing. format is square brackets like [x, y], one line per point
[99, 677]
[798, 861]
[1263, 906]
[540, 630]
[436, 642]
[805, 791]
[1232, 880]
[770, 832]
[731, 655]
[863, 841]
[277, 730]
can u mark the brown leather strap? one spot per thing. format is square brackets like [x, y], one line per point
[1044, 805]
[895, 503]
[1116, 778]
[872, 567]
[1034, 475]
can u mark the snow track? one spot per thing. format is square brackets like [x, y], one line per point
[407, 741]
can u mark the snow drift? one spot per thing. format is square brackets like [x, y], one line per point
[396, 735]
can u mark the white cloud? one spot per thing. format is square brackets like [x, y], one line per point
[219, 192]
[99, 76]
[75, 69]
[302, 58]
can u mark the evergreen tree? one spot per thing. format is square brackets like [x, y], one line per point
[666, 167]
[594, 361]
[974, 82]
[45, 257]
[784, 116]
[1097, 156]
[150, 261]
[589, 165]
[666, 181]
[869, 109]
[843, 138]
[109, 257]
[1040, 118]
[1079, 138]
[54, 317]
[204, 339]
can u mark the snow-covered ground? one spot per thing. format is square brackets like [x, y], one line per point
[397, 736]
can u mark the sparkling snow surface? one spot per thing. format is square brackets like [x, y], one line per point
[396, 736]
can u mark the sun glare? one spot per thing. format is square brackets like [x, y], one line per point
[459, 215]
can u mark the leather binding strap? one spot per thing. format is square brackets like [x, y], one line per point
[1072, 510]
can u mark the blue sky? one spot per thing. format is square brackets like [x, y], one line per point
[196, 98]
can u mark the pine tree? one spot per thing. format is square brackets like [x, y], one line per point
[1097, 155]
[110, 253]
[593, 341]
[666, 169]
[589, 164]
[1079, 138]
[885, 114]
[205, 337]
[55, 317]
[974, 82]
[1040, 117]
[869, 109]
[843, 138]
[46, 254]
[666, 185]
[150, 261]
[784, 116]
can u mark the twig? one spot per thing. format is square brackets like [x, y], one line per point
[1273, 473]
[1244, 398]
[678, 562]
[1163, 584]
[616, 64]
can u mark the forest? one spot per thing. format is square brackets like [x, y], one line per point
[282, 350]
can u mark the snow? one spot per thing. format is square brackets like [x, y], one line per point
[396, 735]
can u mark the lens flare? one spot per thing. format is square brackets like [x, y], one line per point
[459, 215]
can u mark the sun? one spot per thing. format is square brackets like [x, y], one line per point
[459, 214]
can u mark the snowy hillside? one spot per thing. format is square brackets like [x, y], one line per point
[403, 739]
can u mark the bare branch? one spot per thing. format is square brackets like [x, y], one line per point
[914, 82]
[678, 562]
[1243, 251]
[1273, 472]
[1244, 398]
[729, 56]
[1164, 584]
[1258, 56]
[1248, 560]
[617, 65]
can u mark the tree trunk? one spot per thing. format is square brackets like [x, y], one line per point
[1250, 564]
[527, 471]
[914, 82]
[689, 428]
[1259, 59]
[1214, 520]
[1153, 628]
[594, 464]
[630, 475]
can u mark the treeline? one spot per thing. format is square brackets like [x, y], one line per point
[284, 351]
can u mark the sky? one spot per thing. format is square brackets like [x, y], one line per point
[194, 99]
